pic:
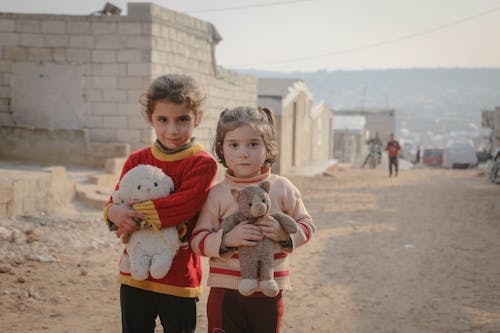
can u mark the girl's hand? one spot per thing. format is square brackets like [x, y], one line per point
[123, 235]
[244, 234]
[272, 229]
[124, 218]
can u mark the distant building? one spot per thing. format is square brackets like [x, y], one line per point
[349, 136]
[490, 123]
[487, 117]
[496, 128]
[322, 134]
[291, 101]
[382, 121]
[69, 85]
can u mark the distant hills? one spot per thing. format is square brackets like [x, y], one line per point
[432, 105]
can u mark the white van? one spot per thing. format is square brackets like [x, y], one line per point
[459, 155]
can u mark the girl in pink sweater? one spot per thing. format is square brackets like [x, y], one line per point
[246, 144]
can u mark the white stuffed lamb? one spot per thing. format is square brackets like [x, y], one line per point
[148, 251]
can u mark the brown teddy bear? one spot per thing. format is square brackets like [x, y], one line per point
[256, 262]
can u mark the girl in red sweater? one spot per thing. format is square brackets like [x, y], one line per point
[172, 107]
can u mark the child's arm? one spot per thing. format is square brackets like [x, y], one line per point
[294, 207]
[120, 217]
[187, 199]
[272, 229]
[209, 239]
[243, 234]
[124, 219]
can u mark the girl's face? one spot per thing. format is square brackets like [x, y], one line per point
[244, 151]
[173, 123]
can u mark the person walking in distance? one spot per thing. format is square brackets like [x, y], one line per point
[393, 149]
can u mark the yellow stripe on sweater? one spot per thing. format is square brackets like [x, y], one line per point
[161, 288]
[191, 151]
[148, 209]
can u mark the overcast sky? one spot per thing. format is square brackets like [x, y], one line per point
[329, 34]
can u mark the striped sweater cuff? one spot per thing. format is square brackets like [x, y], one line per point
[148, 209]
[111, 226]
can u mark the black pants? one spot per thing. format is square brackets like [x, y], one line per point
[393, 161]
[141, 307]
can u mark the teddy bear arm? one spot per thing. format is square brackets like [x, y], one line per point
[229, 223]
[266, 255]
[287, 223]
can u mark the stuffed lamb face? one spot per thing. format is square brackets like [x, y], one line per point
[148, 252]
[142, 183]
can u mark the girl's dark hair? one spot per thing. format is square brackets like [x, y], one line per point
[175, 88]
[260, 119]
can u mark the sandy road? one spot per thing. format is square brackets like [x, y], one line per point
[418, 253]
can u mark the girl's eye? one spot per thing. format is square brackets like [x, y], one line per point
[155, 183]
[162, 119]
[233, 145]
[250, 204]
[139, 187]
[254, 144]
[184, 119]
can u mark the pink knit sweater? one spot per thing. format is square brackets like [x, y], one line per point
[207, 238]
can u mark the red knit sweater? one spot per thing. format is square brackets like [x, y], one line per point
[193, 172]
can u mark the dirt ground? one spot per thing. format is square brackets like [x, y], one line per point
[417, 253]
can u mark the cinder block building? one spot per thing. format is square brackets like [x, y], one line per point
[322, 133]
[291, 101]
[496, 129]
[382, 121]
[69, 85]
[350, 136]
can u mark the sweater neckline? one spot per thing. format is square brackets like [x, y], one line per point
[171, 157]
[265, 173]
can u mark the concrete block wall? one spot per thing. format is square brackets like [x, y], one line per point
[31, 192]
[117, 56]
[322, 140]
[295, 136]
[303, 130]
[113, 54]
[186, 45]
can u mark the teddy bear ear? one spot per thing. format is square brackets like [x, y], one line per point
[235, 193]
[266, 186]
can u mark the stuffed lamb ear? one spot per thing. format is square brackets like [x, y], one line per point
[170, 186]
[116, 197]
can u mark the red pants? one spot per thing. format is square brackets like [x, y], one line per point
[230, 312]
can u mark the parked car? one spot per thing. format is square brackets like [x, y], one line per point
[459, 155]
[432, 157]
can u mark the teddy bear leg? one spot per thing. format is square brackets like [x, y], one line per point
[160, 264]
[140, 267]
[249, 272]
[125, 263]
[247, 286]
[267, 283]
[269, 287]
